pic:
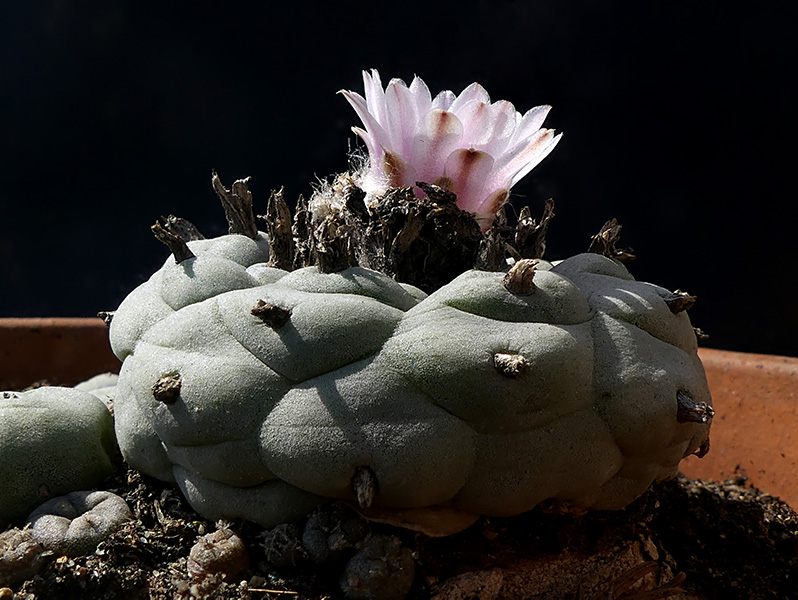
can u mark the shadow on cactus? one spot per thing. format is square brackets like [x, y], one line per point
[397, 345]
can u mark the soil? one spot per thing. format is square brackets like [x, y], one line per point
[681, 539]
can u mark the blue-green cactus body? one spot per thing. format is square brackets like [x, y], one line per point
[53, 440]
[271, 417]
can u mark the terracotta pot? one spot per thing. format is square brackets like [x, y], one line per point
[756, 396]
[55, 351]
[755, 430]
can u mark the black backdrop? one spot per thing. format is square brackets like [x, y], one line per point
[678, 120]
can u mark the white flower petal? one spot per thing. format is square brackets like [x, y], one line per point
[477, 123]
[503, 124]
[375, 130]
[542, 150]
[396, 171]
[444, 100]
[390, 170]
[493, 202]
[422, 95]
[469, 170]
[512, 167]
[530, 123]
[375, 97]
[401, 118]
[374, 149]
[543, 153]
[472, 92]
[473, 147]
[438, 135]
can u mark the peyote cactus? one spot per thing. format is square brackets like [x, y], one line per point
[262, 397]
[53, 440]
[268, 372]
[74, 524]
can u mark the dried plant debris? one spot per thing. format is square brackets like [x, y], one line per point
[173, 240]
[107, 316]
[520, 278]
[167, 388]
[175, 233]
[282, 546]
[679, 301]
[183, 228]
[381, 569]
[426, 242]
[300, 230]
[272, 315]
[332, 533]
[530, 235]
[712, 540]
[277, 221]
[510, 365]
[604, 243]
[237, 203]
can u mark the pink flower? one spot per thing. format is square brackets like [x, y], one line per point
[467, 144]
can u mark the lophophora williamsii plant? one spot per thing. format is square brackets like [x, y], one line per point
[397, 345]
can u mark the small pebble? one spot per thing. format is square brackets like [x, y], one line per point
[21, 556]
[220, 553]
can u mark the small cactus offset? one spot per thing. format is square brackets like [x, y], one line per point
[421, 361]
[53, 440]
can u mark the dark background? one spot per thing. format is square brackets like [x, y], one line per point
[678, 120]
